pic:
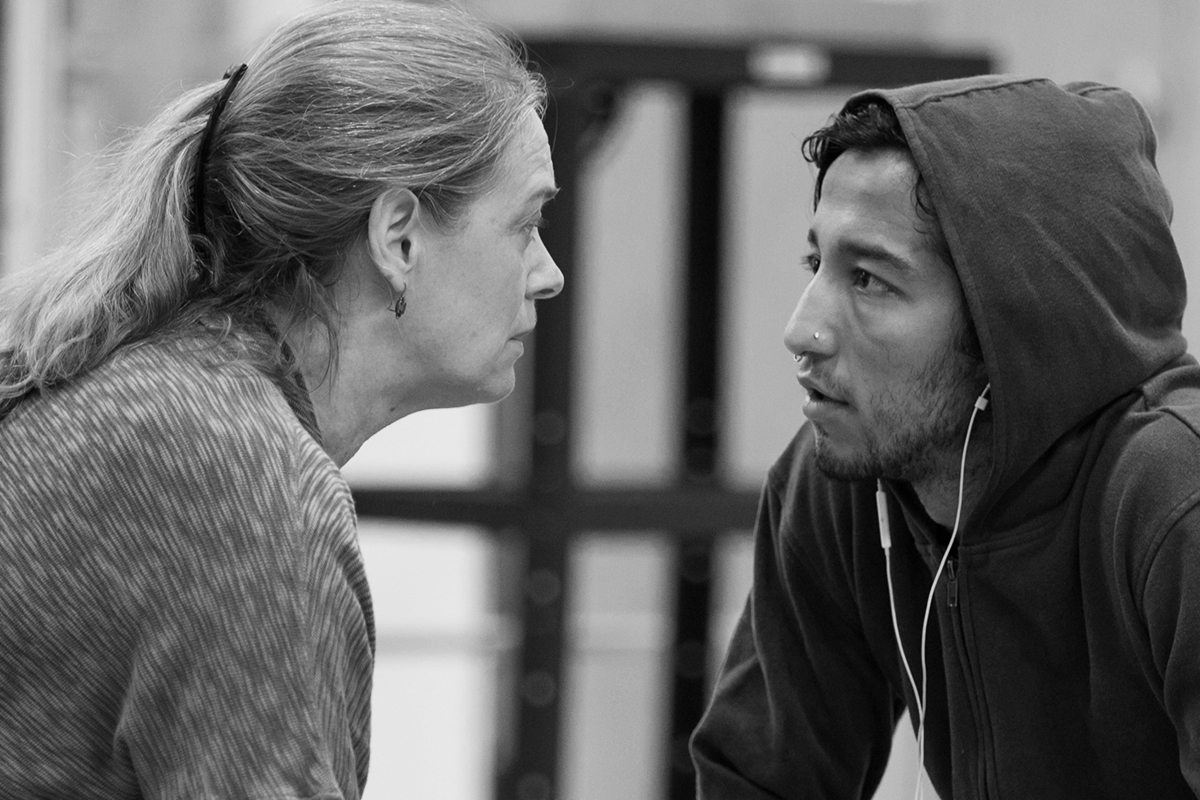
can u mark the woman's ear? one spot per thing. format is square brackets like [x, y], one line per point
[393, 235]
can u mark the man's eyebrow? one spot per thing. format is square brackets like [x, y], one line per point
[870, 251]
[877, 253]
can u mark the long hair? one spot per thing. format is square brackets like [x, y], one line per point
[335, 106]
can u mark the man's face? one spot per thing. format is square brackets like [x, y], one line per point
[889, 394]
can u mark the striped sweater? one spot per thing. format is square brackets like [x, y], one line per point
[183, 606]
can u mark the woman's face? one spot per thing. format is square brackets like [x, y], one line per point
[471, 300]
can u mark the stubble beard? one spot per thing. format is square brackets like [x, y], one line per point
[913, 433]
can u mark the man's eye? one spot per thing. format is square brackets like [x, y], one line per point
[867, 282]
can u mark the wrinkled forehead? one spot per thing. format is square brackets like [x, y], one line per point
[526, 158]
[529, 150]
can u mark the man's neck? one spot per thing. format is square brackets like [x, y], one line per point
[939, 492]
[939, 496]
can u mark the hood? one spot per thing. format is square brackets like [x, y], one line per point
[1059, 227]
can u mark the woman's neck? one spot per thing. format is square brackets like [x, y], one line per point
[346, 400]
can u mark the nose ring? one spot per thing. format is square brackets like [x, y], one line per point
[796, 357]
[816, 335]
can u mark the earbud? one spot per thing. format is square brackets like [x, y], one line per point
[982, 402]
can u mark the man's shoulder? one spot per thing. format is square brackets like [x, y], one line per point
[1175, 396]
[1145, 473]
[1161, 428]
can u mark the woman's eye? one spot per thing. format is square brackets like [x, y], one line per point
[530, 229]
[811, 262]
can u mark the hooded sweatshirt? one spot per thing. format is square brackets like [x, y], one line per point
[1063, 648]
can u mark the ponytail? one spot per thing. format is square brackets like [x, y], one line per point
[125, 273]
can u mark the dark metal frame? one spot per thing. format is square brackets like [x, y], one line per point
[586, 78]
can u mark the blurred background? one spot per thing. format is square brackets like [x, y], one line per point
[476, 695]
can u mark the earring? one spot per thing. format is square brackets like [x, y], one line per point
[400, 306]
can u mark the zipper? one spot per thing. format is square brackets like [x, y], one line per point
[952, 579]
[952, 582]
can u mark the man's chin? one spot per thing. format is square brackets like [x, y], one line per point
[911, 463]
[843, 467]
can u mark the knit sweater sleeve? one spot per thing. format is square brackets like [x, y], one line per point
[238, 682]
[189, 600]
[800, 708]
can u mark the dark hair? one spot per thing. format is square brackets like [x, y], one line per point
[871, 124]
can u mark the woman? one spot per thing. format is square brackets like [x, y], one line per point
[342, 232]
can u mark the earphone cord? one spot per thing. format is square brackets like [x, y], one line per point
[887, 556]
[885, 536]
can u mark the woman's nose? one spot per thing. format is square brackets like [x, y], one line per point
[546, 279]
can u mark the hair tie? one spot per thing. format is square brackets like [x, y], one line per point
[232, 77]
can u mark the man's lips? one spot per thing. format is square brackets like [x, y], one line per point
[818, 390]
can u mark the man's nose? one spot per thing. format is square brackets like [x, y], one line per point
[810, 328]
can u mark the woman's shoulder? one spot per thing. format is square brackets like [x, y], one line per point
[190, 399]
[202, 383]
[170, 435]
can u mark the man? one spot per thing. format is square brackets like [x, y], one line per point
[991, 339]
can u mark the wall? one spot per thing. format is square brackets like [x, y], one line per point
[78, 75]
